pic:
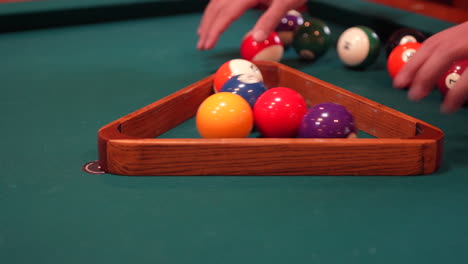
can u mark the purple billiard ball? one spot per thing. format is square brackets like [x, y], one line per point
[289, 23]
[286, 28]
[247, 86]
[327, 120]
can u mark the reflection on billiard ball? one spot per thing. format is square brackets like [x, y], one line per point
[327, 120]
[312, 39]
[224, 115]
[247, 86]
[451, 76]
[271, 49]
[278, 112]
[232, 68]
[403, 36]
[287, 26]
[400, 56]
[358, 46]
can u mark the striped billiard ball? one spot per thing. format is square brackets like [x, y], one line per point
[358, 47]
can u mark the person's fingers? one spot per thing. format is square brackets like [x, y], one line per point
[427, 74]
[217, 23]
[406, 75]
[223, 23]
[442, 55]
[441, 46]
[457, 96]
[268, 21]
[210, 14]
[271, 18]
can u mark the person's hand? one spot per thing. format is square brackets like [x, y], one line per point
[219, 14]
[432, 60]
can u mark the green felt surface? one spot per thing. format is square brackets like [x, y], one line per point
[60, 85]
[50, 5]
[56, 13]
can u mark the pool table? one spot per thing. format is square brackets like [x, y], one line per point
[69, 68]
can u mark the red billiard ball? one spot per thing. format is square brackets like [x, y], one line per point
[270, 49]
[451, 76]
[403, 36]
[232, 68]
[400, 56]
[278, 112]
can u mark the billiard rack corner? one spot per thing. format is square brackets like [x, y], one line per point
[403, 145]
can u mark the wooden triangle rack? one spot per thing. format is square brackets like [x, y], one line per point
[403, 145]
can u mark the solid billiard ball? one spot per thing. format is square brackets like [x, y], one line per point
[278, 112]
[358, 46]
[451, 76]
[403, 36]
[327, 120]
[293, 12]
[224, 115]
[286, 28]
[271, 49]
[400, 56]
[247, 86]
[312, 39]
[232, 68]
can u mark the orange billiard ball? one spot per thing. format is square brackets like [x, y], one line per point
[224, 115]
[400, 56]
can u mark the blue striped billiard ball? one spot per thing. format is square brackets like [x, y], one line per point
[247, 86]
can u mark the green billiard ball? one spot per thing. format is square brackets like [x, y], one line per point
[312, 39]
[358, 47]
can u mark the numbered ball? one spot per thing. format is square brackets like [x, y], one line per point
[224, 115]
[327, 120]
[358, 47]
[232, 68]
[403, 36]
[270, 49]
[312, 39]
[400, 56]
[278, 112]
[286, 28]
[451, 76]
[247, 86]
[294, 12]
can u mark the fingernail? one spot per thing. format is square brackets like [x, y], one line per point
[398, 82]
[200, 45]
[448, 109]
[445, 109]
[259, 35]
[413, 96]
[208, 45]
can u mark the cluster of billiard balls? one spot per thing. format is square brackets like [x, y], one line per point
[363, 43]
[310, 39]
[404, 43]
[242, 102]
[357, 47]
